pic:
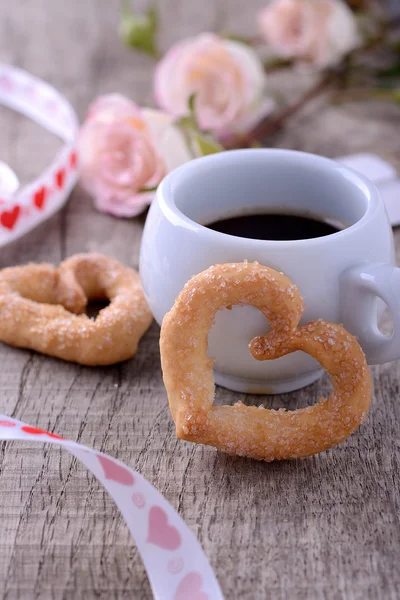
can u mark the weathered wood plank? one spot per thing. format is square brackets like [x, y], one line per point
[325, 527]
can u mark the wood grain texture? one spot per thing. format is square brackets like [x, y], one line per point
[323, 528]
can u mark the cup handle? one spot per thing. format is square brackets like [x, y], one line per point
[360, 286]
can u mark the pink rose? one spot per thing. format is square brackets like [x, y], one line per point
[226, 77]
[125, 150]
[320, 32]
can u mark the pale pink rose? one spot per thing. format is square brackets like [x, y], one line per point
[226, 77]
[319, 32]
[124, 150]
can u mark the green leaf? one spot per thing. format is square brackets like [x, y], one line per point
[184, 122]
[191, 103]
[198, 142]
[206, 146]
[147, 190]
[275, 63]
[189, 122]
[233, 37]
[139, 31]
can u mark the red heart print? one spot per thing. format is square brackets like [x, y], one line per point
[9, 217]
[115, 472]
[190, 587]
[39, 197]
[60, 178]
[36, 431]
[73, 160]
[160, 533]
[6, 423]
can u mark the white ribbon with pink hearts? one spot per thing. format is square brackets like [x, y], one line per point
[175, 562]
[23, 208]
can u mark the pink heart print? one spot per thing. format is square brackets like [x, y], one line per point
[160, 532]
[115, 472]
[51, 105]
[190, 588]
[6, 83]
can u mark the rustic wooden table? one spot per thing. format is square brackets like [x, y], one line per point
[326, 527]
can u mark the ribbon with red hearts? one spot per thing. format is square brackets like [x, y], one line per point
[174, 560]
[24, 208]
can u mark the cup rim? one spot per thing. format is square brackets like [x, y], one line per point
[165, 195]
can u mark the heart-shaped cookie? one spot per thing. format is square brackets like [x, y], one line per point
[42, 308]
[247, 430]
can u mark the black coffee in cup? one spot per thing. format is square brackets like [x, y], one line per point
[276, 226]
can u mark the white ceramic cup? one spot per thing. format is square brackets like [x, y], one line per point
[340, 276]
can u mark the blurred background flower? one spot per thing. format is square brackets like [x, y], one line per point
[226, 77]
[320, 32]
